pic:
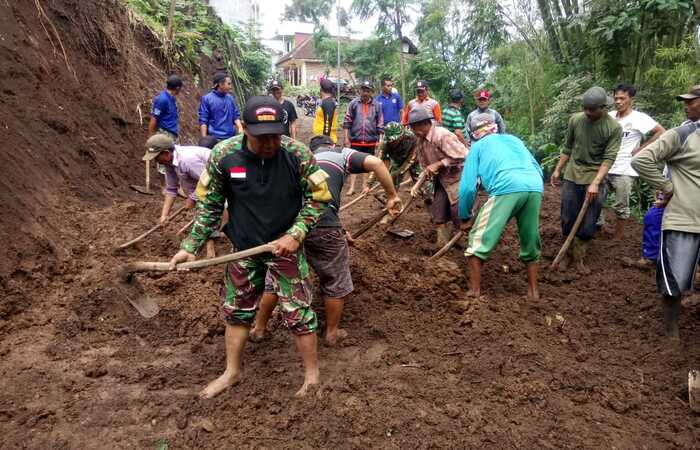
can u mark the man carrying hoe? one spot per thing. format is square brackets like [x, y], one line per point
[327, 246]
[592, 142]
[276, 194]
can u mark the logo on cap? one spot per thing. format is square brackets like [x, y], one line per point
[484, 94]
[266, 114]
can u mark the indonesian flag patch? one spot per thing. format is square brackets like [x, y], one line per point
[237, 173]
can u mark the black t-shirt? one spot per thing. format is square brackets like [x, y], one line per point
[289, 115]
[337, 163]
[264, 196]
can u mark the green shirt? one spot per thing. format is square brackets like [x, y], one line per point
[679, 149]
[590, 145]
[452, 119]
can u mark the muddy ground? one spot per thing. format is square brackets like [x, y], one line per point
[425, 367]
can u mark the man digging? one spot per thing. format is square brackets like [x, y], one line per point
[183, 166]
[592, 142]
[326, 246]
[679, 252]
[399, 149]
[442, 155]
[513, 180]
[276, 193]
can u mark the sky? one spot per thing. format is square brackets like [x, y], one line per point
[271, 12]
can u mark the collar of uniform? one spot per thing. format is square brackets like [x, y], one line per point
[176, 156]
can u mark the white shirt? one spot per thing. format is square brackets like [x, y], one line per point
[634, 126]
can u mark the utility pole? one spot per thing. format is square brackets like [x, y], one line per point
[337, 78]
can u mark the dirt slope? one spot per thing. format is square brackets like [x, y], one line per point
[76, 80]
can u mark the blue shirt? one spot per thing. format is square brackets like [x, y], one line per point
[503, 164]
[165, 111]
[391, 107]
[219, 112]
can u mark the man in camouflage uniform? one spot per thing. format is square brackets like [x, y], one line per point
[399, 148]
[276, 193]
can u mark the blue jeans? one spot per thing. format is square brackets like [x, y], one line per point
[572, 197]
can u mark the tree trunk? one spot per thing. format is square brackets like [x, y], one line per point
[549, 29]
[171, 14]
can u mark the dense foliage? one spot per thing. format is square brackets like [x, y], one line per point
[199, 31]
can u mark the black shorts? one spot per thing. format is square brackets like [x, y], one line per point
[364, 149]
[678, 256]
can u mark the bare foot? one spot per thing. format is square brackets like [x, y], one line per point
[219, 385]
[255, 335]
[310, 381]
[332, 339]
[350, 193]
[533, 296]
[473, 293]
[583, 269]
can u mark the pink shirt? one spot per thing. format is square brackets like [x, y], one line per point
[188, 164]
[441, 145]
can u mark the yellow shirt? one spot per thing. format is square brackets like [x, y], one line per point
[326, 120]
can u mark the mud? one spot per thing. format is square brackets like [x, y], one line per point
[424, 366]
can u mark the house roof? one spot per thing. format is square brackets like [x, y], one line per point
[305, 51]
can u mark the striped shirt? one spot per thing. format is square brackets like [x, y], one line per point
[452, 119]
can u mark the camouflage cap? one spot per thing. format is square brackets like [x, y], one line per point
[156, 144]
[393, 131]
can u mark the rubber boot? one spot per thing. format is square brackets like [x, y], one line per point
[620, 229]
[443, 237]
[672, 310]
[578, 252]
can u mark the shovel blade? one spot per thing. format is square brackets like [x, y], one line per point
[141, 189]
[136, 295]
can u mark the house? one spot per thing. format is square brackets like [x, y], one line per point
[301, 66]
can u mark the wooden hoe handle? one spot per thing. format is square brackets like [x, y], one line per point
[146, 266]
[572, 233]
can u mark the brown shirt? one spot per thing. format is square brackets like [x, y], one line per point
[441, 145]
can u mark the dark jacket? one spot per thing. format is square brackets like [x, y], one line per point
[365, 121]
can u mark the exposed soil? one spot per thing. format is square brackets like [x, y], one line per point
[424, 366]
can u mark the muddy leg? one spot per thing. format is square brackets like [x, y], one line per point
[672, 309]
[236, 337]
[533, 292]
[267, 305]
[307, 348]
[334, 310]
[475, 264]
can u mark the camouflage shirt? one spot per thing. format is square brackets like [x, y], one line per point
[266, 197]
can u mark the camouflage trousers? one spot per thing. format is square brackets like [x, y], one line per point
[244, 282]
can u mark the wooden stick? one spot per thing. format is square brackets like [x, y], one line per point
[447, 246]
[370, 223]
[372, 189]
[155, 228]
[572, 233]
[183, 229]
[148, 177]
[359, 197]
[148, 266]
[423, 177]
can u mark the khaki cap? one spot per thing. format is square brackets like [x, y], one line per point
[156, 144]
[692, 94]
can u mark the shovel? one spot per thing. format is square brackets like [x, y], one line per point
[148, 307]
[147, 189]
[572, 233]
[155, 228]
